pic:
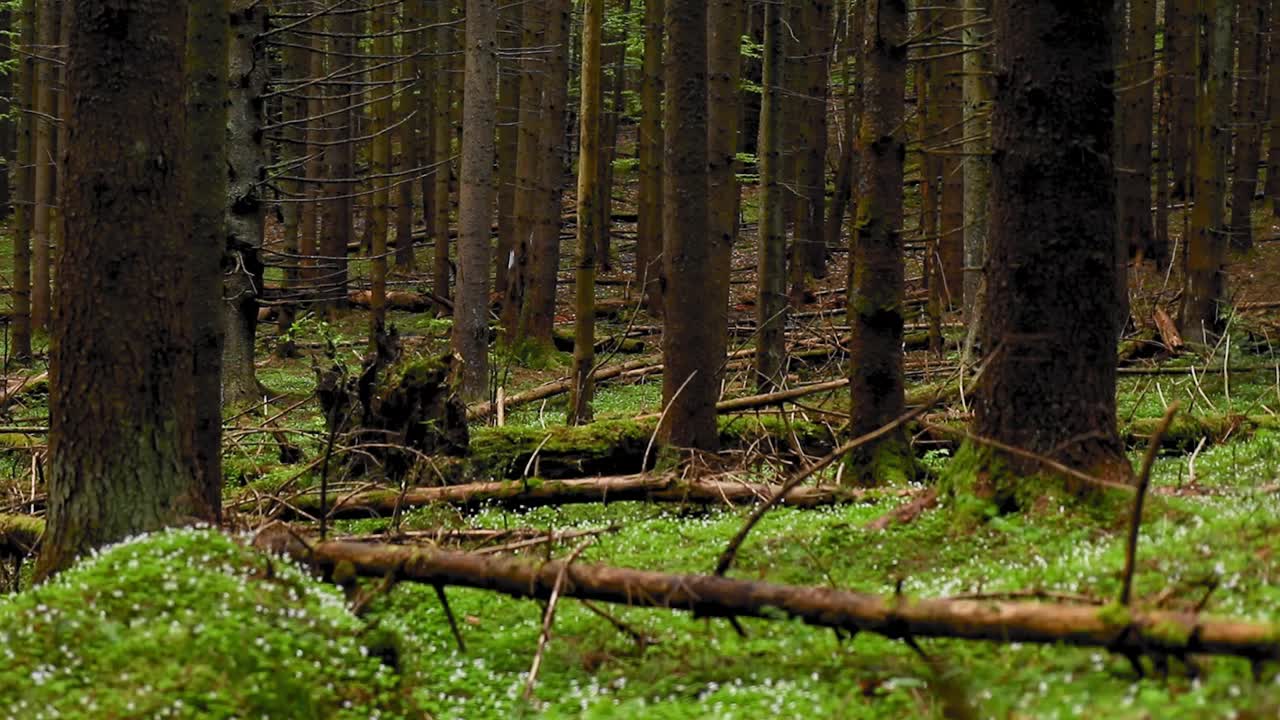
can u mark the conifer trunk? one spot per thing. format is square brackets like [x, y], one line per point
[589, 190]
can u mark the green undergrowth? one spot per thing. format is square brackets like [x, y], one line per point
[187, 624]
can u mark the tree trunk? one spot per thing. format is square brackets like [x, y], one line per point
[1206, 249]
[847, 175]
[1134, 105]
[508, 140]
[381, 89]
[1273, 127]
[950, 164]
[1049, 326]
[725, 25]
[588, 228]
[246, 160]
[690, 384]
[475, 202]
[443, 139]
[25, 181]
[1181, 40]
[876, 288]
[649, 265]
[340, 226]
[977, 166]
[1251, 103]
[537, 317]
[122, 463]
[410, 156]
[45, 163]
[771, 276]
[207, 32]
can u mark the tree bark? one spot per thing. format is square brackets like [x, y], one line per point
[381, 90]
[1135, 106]
[876, 287]
[771, 274]
[726, 21]
[1050, 323]
[24, 177]
[475, 201]
[246, 160]
[46, 166]
[691, 383]
[847, 174]
[123, 463]
[1251, 101]
[649, 265]
[207, 32]
[509, 35]
[1181, 40]
[584, 286]
[950, 164]
[977, 166]
[340, 226]
[443, 139]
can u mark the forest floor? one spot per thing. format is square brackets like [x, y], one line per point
[107, 642]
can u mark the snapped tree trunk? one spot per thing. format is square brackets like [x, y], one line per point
[122, 463]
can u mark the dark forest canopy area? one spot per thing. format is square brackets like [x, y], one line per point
[630, 358]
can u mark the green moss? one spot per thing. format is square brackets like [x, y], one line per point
[1170, 633]
[1115, 615]
[888, 463]
[186, 624]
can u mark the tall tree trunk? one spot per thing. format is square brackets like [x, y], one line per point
[977, 167]
[929, 110]
[475, 201]
[771, 275]
[207, 31]
[340, 225]
[1135, 104]
[537, 317]
[613, 56]
[443, 139]
[382, 88]
[25, 181]
[122, 463]
[45, 163]
[951, 136]
[425, 97]
[8, 93]
[649, 266]
[508, 140]
[1205, 282]
[589, 190]
[410, 156]
[726, 21]
[1050, 326]
[690, 382]
[876, 288]
[1273, 119]
[846, 177]
[295, 64]
[1251, 101]
[246, 160]
[1180, 47]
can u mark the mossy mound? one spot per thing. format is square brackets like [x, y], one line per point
[186, 624]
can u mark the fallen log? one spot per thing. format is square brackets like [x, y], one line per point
[564, 341]
[396, 300]
[537, 492]
[1127, 631]
[19, 534]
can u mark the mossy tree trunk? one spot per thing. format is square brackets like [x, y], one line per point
[584, 286]
[207, 33]
[771, 274]
[121, 393]
[1049, 326]
[476, 198]
[246, 160]
[876, 288]
[690, 381]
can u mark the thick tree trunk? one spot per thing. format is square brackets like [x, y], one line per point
[1050, 323]
[876, 288]
[207, 32]
[537, 318]
[691, 383]
[649, 265]
[246, 160]
[584, 286]
[771, 275]
[122, 464]
[1251, 102]
[814, 71]
[1180, 49]
[1206, 248]
[725, 25]
[475, 202]
[1273, 120]
[1135, 106]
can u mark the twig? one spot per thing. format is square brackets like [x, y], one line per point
[453, 622]
[549, 617]
[1135, 522]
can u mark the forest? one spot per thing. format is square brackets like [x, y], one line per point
[639, 358]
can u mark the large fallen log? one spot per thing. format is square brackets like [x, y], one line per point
[536, 492]
[1130, 632]
[19, 534]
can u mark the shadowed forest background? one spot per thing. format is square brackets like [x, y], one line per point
[639, 358]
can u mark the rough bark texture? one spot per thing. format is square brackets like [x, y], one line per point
[43, 157]
[588, 228]
[876, 286]
[1251, 107]
[246, 160]
[537, 318]
[509, 35]
[339, 229]
[950, 138]
[977, 166]
[725, 24]
[771, 275]
[442, 137]
[854, 29]
[121, 410]
[379, 218]
[1180, 48]
[649, 266]
[207, 30]
[1049, 327]
[1206, 248]
[24, 179]
[475, 201]
[813, 73]
[690, 383]
[1135, 105]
